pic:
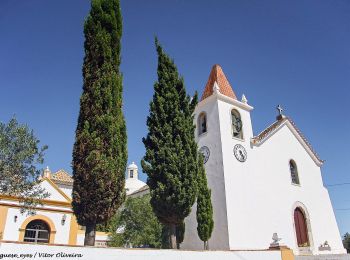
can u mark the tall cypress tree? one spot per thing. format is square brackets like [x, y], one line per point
[100, 151]
[171, 151]
[204, 207]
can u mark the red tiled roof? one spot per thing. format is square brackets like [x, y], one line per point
[260, 137]
[218, 75]
[62, 177]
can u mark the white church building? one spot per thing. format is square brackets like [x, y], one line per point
[260, 184]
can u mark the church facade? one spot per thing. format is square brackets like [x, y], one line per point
[260, 184]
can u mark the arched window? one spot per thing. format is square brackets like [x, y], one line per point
[202, 123]
[236, 124]
[131, 173]
[301, 228]
[294, 172]
[37, 231]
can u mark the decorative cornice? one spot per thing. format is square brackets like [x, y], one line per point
[219, 96]
[234, 102]
[12, 205]
[45, 202]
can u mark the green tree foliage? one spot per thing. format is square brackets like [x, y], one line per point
[346, 242]
[100, 150]
[20, 158]
[141, 227]
[204, 207]
[171, 151]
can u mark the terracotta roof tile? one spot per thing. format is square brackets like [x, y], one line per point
[260, 137]
[218, 75]
[62, 176]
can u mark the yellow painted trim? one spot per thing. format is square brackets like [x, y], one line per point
[3, 217]
[57, 188]
[73, 231]
[43, 201]
[98, 233]
[287, 254]
[37, 209]
[36, 217]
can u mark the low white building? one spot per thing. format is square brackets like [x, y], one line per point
[53, 221]
[260, 184]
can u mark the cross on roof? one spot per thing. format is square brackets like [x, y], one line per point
[280, 109]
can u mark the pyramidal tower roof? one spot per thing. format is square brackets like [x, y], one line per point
[218, 76]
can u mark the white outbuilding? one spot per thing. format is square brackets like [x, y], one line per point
[132, 182]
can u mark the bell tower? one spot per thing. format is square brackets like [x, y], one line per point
[223, 131]
[132, 171]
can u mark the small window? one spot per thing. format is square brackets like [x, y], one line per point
[202, 123]
[131, 173]
[236, 124]
[294, 172]
[37, 231]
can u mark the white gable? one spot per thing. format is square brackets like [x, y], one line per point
[132, 185]
[277, 126]
[55, 193]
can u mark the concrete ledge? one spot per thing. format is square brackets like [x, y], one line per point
[9, 250]
[324, 257]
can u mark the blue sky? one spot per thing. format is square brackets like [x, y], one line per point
[294, 53]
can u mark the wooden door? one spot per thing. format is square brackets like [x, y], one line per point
[301, 228]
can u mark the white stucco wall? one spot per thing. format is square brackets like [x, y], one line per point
[67, 189]
[11, 232]
[214, 171]
[275, 197]
[54, 194]
[254, 199]
[132, 185]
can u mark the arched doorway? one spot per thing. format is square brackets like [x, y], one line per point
[301, 228]
[37, 231]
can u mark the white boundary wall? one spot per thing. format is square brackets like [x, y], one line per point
[94, 253]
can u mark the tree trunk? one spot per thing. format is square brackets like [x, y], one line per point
[90, 233]
[172, 228]
[206, 245]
